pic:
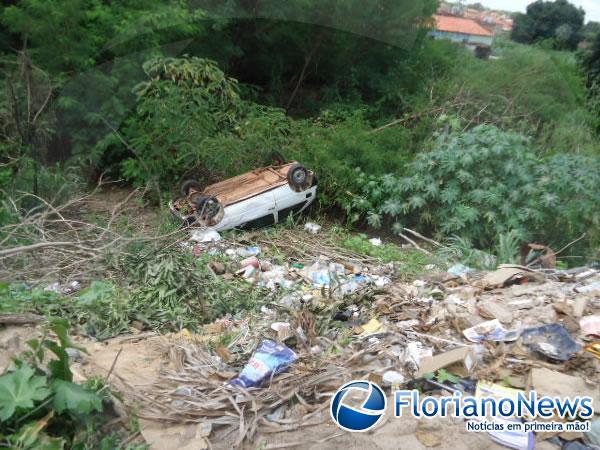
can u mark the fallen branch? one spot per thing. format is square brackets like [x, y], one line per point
[570, 244]
[415, 245]
[405, 119]
[19, 319]
[420, 236]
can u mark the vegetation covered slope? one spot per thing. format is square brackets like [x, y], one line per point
[152, 93]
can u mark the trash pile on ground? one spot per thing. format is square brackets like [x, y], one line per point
[341, 317]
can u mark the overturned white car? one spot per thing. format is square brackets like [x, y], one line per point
[255, 199]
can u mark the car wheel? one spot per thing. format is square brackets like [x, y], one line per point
[186, 186]
[297, 176]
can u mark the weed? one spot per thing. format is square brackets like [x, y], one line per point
[410, 262]
[43, 408]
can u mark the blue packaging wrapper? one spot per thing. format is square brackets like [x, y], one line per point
[269, 358]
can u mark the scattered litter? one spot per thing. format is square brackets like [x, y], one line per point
[251, 261]
[540, 256]
[459, 270]
[347, 316]
[553, 341]
[278, 414]
[283, 330]
[312, 227]
[417, 351]
[202, 236]
[491, 330]
[392, 378]
[248, 272]
[590, 326]
[517, 440]
[593, 436]
[580, 306]
[248, 251]
[269, 359]
[594, 349]
[593, 288]
[373, 326]
[376, 242]
[53, 287]
[485, 389]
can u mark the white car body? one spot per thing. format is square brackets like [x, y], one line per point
[255, 199]
[265, 209]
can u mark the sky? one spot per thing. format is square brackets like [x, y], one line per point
[591, 7]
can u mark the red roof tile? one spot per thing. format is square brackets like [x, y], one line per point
[460, 25]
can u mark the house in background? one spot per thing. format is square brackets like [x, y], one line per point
[465, 31]
[497, 21]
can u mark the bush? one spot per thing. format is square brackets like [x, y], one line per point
[483, 183]
[529, 90]
[335, 149]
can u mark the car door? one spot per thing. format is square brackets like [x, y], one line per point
[290, 202]
[254, 212]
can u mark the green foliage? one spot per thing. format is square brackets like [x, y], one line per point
[55, 184]
[174, 291]
[508, 247]
[589, 61]
[102, 311]
[537, 92]
[42, 408]
[19, 390]
[190, 120]
[73, 397]
[483, 183]
[170, 291]
[557, 21]
[459, 249]
[348, 50]
[410, 263]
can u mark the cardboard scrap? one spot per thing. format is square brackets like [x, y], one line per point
[506, 273]
[555, 384]
[491, 309]
[463, 357]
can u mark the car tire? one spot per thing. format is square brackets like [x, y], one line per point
[189, 184]
[297, 176]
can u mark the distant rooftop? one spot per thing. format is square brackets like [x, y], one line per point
[451, 24]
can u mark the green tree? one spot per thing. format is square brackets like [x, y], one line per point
[558, 21]
[589, 60]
